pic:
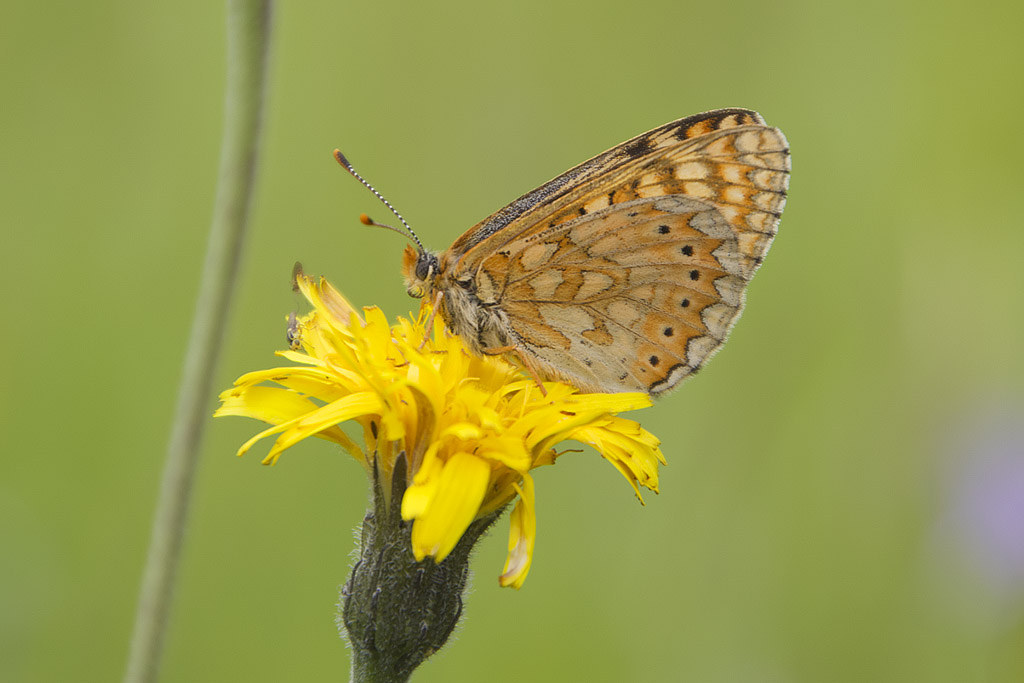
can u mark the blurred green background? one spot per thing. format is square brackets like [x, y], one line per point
[845, 494]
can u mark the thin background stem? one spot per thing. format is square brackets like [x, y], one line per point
[248, 39]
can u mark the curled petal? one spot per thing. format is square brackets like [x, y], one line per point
[521, 537]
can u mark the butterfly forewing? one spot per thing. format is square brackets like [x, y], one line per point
[529, 210]
[627, 272]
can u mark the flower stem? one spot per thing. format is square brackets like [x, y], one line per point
[396, 611]
[248, 34]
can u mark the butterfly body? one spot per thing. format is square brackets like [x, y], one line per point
[627, 272]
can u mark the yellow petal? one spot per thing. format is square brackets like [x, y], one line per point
[323, 418]
[452, 508]
[611, 403]
[462, 430]
[325, 297]
[636, 461]
[506, 450]
[424, 427]
[269, 404]
[418, 496]
[424, 376]
[612, 444]
[521, 537]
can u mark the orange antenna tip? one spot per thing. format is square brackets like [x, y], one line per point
[366, 220]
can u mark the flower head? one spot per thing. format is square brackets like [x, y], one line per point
[471, 428]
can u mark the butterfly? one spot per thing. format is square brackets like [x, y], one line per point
[625, 273]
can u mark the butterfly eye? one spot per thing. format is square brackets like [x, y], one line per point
[423, 267]
[426, 266]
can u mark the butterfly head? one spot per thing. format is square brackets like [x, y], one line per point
[420, 268]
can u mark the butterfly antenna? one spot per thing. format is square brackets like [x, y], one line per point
[366, 220]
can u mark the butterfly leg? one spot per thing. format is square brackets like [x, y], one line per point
[531, 370]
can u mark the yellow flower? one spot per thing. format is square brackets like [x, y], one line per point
[471, 428]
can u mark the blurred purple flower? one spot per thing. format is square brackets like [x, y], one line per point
[984, 505]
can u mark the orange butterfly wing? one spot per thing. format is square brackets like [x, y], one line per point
[627, 272]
